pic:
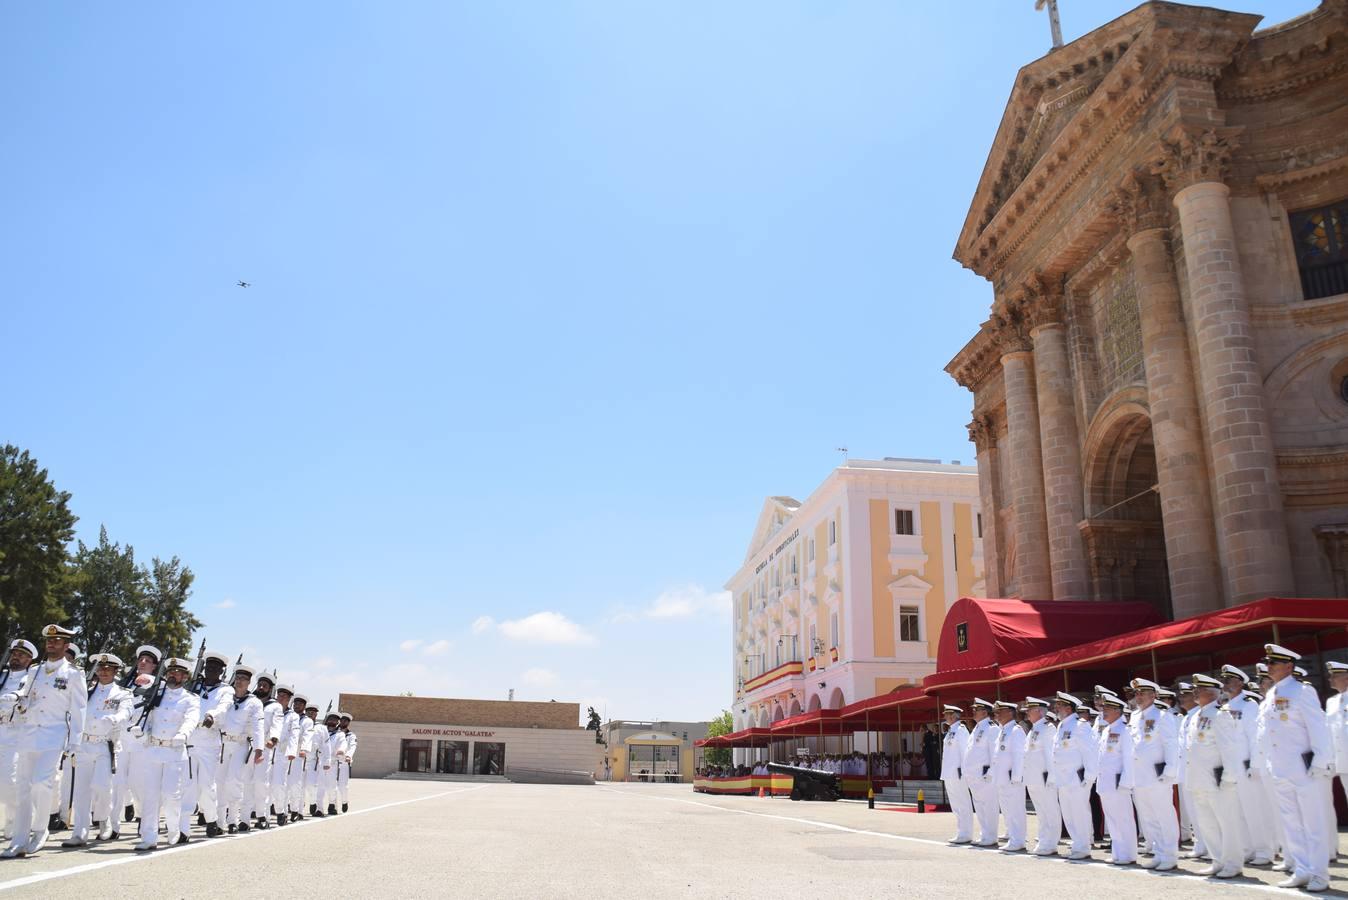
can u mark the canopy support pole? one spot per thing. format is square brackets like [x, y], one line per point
[870, 785]
[1277, 639]
[1155, 670]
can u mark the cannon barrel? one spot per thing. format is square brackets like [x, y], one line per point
[809, 784]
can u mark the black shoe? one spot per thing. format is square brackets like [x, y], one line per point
[313, 809]
[129, 814]
[320, 815]
[184, 838]
[272, 809]
[343, 807]
[233, 828]
[244, 828]
[201, 820]
[116, 835]
[213, 830]
[54, 822]
[332, 809]
[263, 824]
[280, 818]
[297, 817]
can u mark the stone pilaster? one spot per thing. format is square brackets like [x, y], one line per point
[1256, 560]
[1060, 445]
[983, 433]
[1031, 567]
[1177, 426]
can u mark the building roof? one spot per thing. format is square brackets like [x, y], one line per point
[449, 711]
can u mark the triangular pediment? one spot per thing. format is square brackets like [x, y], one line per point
[775, 512]
[909, 583]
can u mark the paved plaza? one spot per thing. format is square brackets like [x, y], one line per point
[420, 838]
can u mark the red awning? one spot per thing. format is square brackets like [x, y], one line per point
[981, 637]
[909, 706]
[810, 724]
[1197, 644]
[745, 737]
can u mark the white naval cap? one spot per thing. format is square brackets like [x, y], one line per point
[106, 659]
[300, 697]
[1066, 698]
[951, 708]
[345, 715]
[1275, 653]
[1101, 689]
[1162, 704]
[1186, 687]
[74, 650]
[175, 662]
[1166, 694]
[58, 631]
[1299, 672]
[1112, 700]
[242, 669]
[1230, 671]
[1252, 695]
[1007, 704]
[1051, 716]
[1206, 681]
[21, 644]
[1035, 701]
[1084, 710]
[1333, 666]
[264, 675]
[1261, 668]
[1146, 684]
[217, 656]
[979, 701]
[152, 651]
[288, 688]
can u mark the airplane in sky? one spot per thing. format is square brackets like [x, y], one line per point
[244, 284]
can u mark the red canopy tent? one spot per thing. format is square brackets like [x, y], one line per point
[818, 723]
[1175, 650]
[888, 712]
[982, 636]
[745, 737]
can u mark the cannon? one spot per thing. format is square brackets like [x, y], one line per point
[808, 784]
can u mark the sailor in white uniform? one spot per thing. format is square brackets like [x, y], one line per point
[1155, 769]
[977, 768]
[334, 752]
[126, 784]
[952, 776]
[1008, 762]
[205, 748]
[1299, 758]
[1037, 769]
[299, 774]
[1116, 781]
[283, 754]
[107, 711]
[21, 656]
[1215, 763]
[1256, 812]
[344, 773]
[49, 714]
[168, 722]
[241, 737]
[1074, 767]
[257, 778]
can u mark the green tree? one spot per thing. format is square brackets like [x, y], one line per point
[722, 724]
[596, 726]
[36, 524]
[165, 621]
[106, 597]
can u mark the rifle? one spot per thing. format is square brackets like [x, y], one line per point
[199, 673]
[152, 697]
[4, 661]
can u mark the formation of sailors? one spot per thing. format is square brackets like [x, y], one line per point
[1254, 761]
[91, 752]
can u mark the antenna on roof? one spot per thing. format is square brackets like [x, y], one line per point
[1053, 22]
[843, 451]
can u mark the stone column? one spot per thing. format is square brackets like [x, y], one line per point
[1032, 575]
[983, 433]
[1256, 559]
[1060, 445]
[1177, 427]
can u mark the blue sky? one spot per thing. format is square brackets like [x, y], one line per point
[547, 297]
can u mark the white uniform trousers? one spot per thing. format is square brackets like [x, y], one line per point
[36, 779]
[1217, 813]
[1301, 809]
[126, 786]
[199, 786]
[63, 795]
[327, 788]
[161, 789]
[282, 770]
[1156, 810]
[985, 807]
[1330, 818]
[344, 778]
[1074, 802]
[259, 785]
[93, 788]
[1200, 847]
[1274, 817]
[229, 784]
[1118, 809]
[1258, 818]
[295, 784]
[1011, 800]
[1045, 800]
[9, 789]
[957, 796]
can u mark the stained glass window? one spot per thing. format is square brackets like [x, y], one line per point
[1321, 238]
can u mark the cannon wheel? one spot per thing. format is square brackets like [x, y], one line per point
[795, 792]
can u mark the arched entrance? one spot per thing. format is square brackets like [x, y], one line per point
[1125, 540]
[795, 706]
[835, 699]
[814, 703]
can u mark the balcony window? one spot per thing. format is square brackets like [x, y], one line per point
[908, 624]
[811, 549]
[833, 629]
[903, 521]
[1321, 239]
[979, 519]
[832, 532]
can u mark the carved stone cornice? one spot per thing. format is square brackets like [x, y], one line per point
[1189, 156]
[983, 433]
[1139, 203]
[977, 360]
[1011, 325]
[1290, 57]
[1041, 302]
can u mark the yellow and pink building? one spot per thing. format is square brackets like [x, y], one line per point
[841, 597]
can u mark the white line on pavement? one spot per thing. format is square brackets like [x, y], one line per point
[1130, 870]
[204, 843]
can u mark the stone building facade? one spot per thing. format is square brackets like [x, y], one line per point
[1161, 390]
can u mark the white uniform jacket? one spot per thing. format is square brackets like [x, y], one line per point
[169, 725]
[1336, 713]
[49, 707]
[1038, 753]
[1008, 755]
[1155, 739]
[1214, 749]
[242, 718]
[106, 714]
[1117, 771]
[288, 742]
[351, 752]
[977, 762]
[213, 701]
[1076, 758]
[1293, 732]
[952, 755]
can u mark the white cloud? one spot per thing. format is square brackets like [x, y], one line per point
[539, 677]
[546, 628]
[410, 645]
[483, 623]
[687, 601]
[227, 603]
[436, 648]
